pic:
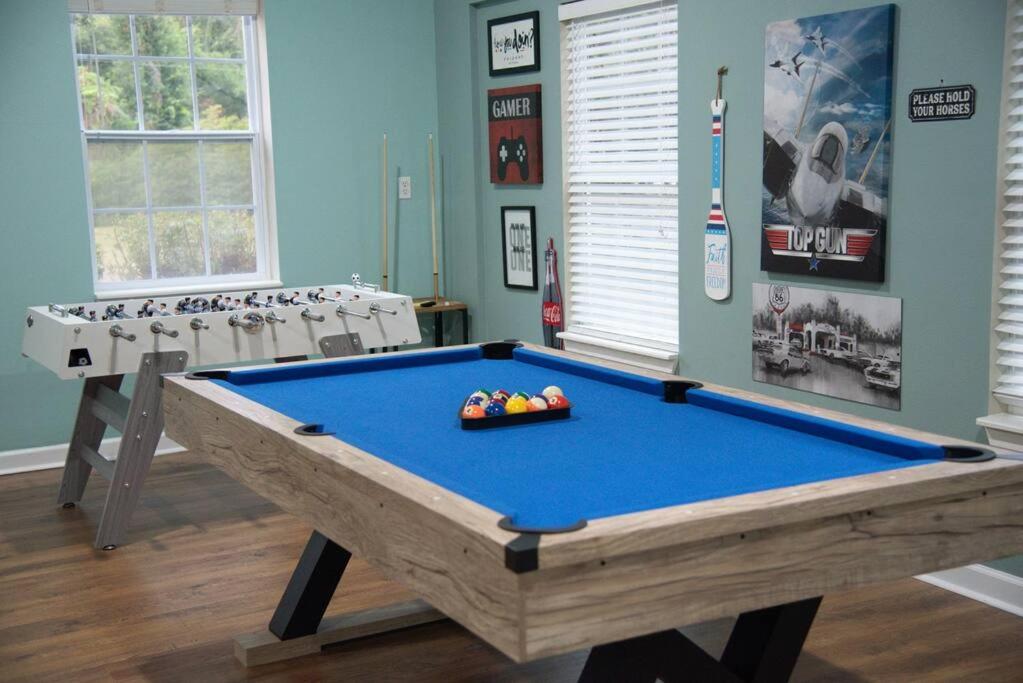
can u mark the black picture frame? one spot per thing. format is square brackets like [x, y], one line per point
[529, 283]
[511, 19]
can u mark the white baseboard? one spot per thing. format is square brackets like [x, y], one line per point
[984, 584]
[49, 457]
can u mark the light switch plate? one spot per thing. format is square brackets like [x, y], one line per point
[404, 187]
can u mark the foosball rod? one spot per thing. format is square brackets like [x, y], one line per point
[433, 218]
[383, 214]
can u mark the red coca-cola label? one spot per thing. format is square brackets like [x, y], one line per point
[551, 313]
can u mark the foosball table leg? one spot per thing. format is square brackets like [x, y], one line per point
[142, 429]
[86, 437]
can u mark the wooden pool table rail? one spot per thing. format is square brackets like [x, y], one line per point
[619, 577]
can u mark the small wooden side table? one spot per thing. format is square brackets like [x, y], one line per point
[427, 306]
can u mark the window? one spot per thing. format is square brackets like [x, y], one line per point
[1009, 383]
[1006, 429]
[171, 118]
[620, 126]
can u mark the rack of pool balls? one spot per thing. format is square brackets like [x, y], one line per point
[485, 409]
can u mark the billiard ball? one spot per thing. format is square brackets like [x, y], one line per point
[495, 409]
[552, 391]
[475, 401]
[556, 402]
[482, 395]
[516, 404]
[501, 393]
[523, 395]
[473, 412]
[538, 402]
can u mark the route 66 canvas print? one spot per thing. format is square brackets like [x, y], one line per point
[840, 344]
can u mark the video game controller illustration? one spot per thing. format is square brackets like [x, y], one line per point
[512, 152]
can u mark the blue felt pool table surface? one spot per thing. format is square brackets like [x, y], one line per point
[624, 449]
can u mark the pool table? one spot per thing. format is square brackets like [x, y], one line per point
[660, 502]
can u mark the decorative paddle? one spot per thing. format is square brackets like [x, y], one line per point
[717, 243]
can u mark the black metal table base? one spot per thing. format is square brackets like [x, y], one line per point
[763, 647]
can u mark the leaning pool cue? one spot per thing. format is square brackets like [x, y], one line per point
[433, 218]
[383, 214]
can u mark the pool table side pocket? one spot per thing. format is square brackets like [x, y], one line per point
[446, 548]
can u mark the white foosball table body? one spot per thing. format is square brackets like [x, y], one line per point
[335, 320]
[74, 347]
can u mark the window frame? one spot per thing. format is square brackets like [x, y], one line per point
[258, 136]
[620, 347]
[1004, 423]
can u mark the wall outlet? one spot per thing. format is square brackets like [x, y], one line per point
[404, 187]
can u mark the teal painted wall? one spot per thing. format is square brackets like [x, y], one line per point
[43, 224]
[342, 72]
[939, 251]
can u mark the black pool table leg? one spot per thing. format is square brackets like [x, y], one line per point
[763, 647]
[766, 643]
[310, 588]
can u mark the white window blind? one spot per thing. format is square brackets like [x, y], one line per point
[620, 121]
[1009, 383]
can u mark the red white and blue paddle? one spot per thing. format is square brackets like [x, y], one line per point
[717, 243]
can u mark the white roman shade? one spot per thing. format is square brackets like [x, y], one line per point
[192, 7]
[1009, 382]
[620, 124]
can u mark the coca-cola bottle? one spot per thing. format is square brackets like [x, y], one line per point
[551, 313]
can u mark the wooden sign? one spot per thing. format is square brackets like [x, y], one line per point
[947, 103]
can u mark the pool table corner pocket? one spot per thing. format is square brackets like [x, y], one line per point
[675, 390]
[959, 453]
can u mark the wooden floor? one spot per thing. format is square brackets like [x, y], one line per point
[207, 560]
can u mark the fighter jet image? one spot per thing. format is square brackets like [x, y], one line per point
[791, 67]
[818, 38]
[812, 180]
[859, 142]
[825, 143]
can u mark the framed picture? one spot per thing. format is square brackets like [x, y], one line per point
[514, 44]
[518, 242]
[842, 344]
[827, 144]
[515, 127]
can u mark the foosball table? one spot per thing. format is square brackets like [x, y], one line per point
[101, 342]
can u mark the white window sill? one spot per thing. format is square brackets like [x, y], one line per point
[1004, 430]
[195, 288]
[651, 358]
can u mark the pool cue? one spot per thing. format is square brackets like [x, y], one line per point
[433, 218]
[383, 213]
